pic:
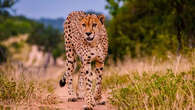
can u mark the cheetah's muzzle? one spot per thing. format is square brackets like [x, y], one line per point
[62, 82]
[90, 39]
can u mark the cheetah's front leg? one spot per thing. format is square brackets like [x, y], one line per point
[88, 82]
[67, 77]
[98, 88]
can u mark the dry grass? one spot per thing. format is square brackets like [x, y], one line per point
[155, 91]
[152, 84]
[153, 64]
[148, 83]
[22, 87]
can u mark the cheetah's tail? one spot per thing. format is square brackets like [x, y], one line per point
[62, 82]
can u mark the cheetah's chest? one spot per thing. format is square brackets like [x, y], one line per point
[98, 52]
[92, 54]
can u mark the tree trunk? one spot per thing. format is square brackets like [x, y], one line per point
[179, 48]
[47, 60]
[179, 23]
[55, 62]
[191, 39]
[3, 56]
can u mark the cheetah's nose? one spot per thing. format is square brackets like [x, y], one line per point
[88, 33]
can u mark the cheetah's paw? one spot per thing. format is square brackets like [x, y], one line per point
[85, 107]
[72, 99]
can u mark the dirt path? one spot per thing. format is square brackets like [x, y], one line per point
[62, 97]
[62, 94]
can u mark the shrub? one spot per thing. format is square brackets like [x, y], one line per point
[155, 91]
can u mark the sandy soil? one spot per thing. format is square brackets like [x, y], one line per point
[62, 95]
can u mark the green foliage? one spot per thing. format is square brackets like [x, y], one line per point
[9, 25]
[59, 50]
[113, 6]
[5, 5]
[155, 91]
[47, 38]
[139, 27]
[12, 26]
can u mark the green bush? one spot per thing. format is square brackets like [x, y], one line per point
[154, 91]
[141, 28]
[12, 26]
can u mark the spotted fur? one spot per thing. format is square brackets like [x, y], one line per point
[85, 37]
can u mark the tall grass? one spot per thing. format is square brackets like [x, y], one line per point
[14, 89]
[153, 64]
[152, 84]
[20, 87]
[155, 91]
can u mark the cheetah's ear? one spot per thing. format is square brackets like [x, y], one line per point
[101, 18]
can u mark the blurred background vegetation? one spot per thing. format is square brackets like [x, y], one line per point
[151, 27]
[136, 28]
[151, 61]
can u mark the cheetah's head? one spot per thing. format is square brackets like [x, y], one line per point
[91, 26]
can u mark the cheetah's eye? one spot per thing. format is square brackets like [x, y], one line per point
[84, 25]
[94, 25]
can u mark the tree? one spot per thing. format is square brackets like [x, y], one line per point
[149, 27]
[5, 5]
[114, 6]
[48, 39]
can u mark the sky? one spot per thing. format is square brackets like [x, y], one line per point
[37, 9]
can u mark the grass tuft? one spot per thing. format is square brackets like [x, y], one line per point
[12, 90]
[114, 80]
[152, 90]
[20, 88]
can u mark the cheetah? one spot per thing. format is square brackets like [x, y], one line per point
[86, 37]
